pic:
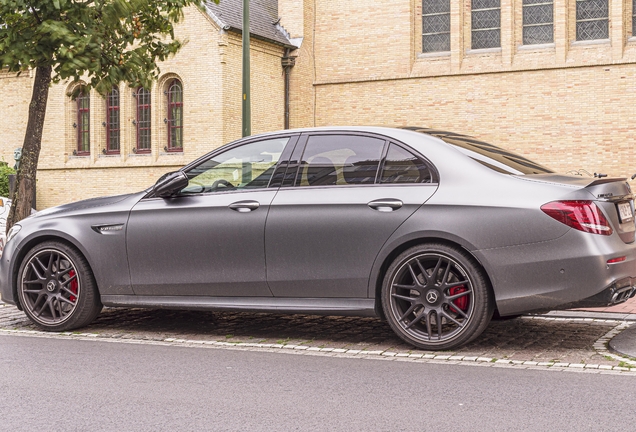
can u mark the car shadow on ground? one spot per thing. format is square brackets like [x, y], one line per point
[519, 338]
[524, 338]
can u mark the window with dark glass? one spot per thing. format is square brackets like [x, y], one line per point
[83, 123]
[330, 160]
[249, 166]
[143, 121]
[402, 166]
[494, 157]
[633, 18]
[592, 19]
[538, 21]
[112, 121]
[175, 116]
[485, 24]
[435, 25]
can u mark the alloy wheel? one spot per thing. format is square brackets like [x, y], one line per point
[50, 287]
[432, 298]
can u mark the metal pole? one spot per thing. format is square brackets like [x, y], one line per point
[247, 114]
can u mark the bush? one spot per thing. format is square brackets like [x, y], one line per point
[5, 170]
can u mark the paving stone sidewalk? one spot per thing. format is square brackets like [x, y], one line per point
[529, 340]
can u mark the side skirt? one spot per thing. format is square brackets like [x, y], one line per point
[313, 306]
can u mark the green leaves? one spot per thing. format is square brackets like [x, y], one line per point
[108, 41]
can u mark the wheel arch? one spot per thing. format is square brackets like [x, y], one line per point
[29, 244]
[397, 250]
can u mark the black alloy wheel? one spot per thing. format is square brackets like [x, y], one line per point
[436, 297]
[56, 287]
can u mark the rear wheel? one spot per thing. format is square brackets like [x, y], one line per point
[56, 287]
[435, 297]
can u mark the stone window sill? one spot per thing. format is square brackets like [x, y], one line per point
[434, 55]
[482, 51]
[536, 47]
[590, 43]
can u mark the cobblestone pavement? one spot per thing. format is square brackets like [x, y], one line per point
[529, 341]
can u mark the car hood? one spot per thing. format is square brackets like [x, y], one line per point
[123, 202]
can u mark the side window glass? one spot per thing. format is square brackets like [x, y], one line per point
[402, 166]
[330, 160]
[249, 166]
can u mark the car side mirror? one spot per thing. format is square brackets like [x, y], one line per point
[169, 184]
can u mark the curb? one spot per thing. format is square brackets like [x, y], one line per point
[362, 354]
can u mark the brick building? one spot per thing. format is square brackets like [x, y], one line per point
[122, 143]
[552, 79]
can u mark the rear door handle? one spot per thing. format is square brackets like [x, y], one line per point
[386, 205]
[244, 206]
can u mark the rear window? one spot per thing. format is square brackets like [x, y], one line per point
[494, 157]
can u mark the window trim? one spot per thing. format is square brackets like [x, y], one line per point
[83, 96]
[109, 129]
[138, 108]
[169, 120]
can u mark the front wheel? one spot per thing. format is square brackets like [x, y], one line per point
[56, 287]
[436, 297]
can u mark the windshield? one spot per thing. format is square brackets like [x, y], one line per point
[489, 155]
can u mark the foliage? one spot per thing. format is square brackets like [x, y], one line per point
[102, 42]
[5, 170]
[110, 41]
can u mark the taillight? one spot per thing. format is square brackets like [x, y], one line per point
[581, 215]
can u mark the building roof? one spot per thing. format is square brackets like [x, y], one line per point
[264, 20]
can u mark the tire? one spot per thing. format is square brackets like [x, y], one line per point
[56, 287]
[458, 297]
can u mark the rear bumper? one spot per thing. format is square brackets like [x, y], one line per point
[619, 292]
[571, 271]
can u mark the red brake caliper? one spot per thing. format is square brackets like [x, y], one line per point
[461, 302]
[73, 286]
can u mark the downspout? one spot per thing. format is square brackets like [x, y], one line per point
[287, 62]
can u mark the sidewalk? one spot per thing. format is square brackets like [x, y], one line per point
[629, 307]
[574, 342]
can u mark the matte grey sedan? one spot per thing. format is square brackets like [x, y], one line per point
[431, 230]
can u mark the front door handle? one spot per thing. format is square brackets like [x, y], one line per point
[386, 205]
[244, 206]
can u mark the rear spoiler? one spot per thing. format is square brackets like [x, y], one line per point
[606, 180]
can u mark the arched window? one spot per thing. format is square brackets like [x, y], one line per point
[83, 123]
[175, 116]
[112, 121]
[143, 121]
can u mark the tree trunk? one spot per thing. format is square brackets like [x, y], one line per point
[24, 191]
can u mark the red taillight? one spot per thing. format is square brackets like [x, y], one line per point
[616, 260]
[581, 215]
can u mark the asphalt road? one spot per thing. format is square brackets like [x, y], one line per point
[67, 385]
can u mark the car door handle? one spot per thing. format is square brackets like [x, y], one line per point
[244, 206]
[386, 205]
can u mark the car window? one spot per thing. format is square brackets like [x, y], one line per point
[402, 166]
[330, 160]
[249, 166]
[496, 158]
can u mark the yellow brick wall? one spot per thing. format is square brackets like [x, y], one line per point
[568, 104]
[209, 67]
[266, 84]
[14, 109]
